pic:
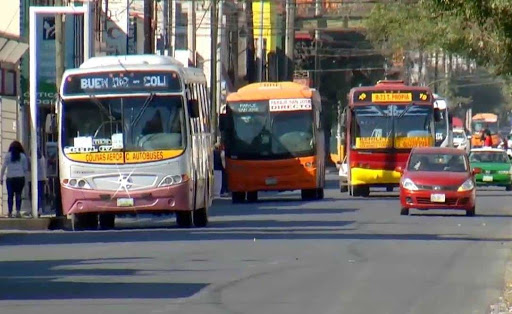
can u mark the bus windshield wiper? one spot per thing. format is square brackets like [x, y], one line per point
[409, 106]
[143, 109]
[101, 107]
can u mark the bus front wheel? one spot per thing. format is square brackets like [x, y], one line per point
[238, 197]
[252, 197]
[200, 217]
[107, 221]
[87, 221]
[320, 193]
[184, 219]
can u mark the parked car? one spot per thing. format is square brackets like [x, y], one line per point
[460, 140]
[437, 178]
[495, 165]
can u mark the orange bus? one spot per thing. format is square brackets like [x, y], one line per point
[274, 141]
[481, 122]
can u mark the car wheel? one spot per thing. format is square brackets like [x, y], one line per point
[471, 211]
[404, 211]
[238, 197]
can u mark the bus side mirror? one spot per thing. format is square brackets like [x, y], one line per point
[50, 125]
[437, 115]
[193, 108]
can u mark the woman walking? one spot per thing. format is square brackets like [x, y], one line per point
[15, 168]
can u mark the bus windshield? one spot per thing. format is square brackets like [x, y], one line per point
[388, 126]
[123, 124]
[270, 135]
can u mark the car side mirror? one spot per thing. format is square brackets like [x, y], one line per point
[193, 108]
[399, 170]
[476, 171]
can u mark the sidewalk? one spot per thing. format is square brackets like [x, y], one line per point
[46, 222]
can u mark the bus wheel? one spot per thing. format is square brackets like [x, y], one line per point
[200, 217]
[107, 221]
[184, 219]
[308, 195]
[238, 197]
[365, 191]
[252, 197]
[343, 187]
[389, 189]
[86, 221]
[320, 194]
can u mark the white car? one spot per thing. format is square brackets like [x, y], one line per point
[460, 140]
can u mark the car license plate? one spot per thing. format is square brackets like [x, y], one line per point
[270, 181]
[487, 178]
[437, 198]
[124, 202]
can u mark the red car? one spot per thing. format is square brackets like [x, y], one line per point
[437, 178]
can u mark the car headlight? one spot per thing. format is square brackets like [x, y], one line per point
[466, 186]
[409, 185]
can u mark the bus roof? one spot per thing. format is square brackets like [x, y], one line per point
[129, 60]
[488, 117]
[389, 91]
[271, 90]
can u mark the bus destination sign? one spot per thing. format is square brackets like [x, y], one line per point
[121, 82]
[375, 96]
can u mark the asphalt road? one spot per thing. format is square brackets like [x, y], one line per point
[339, 255]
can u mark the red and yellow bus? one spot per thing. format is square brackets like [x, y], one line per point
[274, 141]
[382, 124]
[481, 122]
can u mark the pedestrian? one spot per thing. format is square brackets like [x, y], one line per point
[488, 139]
[41, 181]
[217, 168]
[15, 168]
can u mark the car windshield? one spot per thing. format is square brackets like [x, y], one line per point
[459, 135]
[498, 157]
[437, 162]
[259, 134]
[123, 124]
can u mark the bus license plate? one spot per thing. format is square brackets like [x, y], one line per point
[487, 178]
[270, 181]
[124, 202]
[437, 198]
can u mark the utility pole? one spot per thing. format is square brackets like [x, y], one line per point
[220, 34]
[213, 64]
[260, 48]
[318, 14]
[289, 39]
[165, 29]
[59, 45]
[148, 29]
[192, 29]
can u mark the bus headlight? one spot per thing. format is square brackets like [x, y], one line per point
[76, 183]
[171, 180]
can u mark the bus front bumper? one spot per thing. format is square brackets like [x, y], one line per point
[159, 199]
[363, 176]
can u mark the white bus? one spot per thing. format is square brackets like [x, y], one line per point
[443, 127]
[135, 137]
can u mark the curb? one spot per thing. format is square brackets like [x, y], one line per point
[34, 224]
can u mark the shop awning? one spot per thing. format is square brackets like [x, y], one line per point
[11, 50]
